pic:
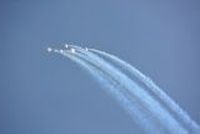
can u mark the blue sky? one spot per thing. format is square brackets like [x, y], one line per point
[44, 93]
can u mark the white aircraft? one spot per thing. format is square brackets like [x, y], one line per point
[66, 46]
[73, 50]
[49, 49]
[61, 51]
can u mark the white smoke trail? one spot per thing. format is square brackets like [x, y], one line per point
[141, 105]
[136, 92]
[113, 87]
[171, 106]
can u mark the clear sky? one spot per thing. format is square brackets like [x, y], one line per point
[48, 94]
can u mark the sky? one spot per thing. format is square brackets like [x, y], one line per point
[48, 94]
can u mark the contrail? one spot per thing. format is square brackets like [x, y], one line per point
[109, 83]
[151, 87]
[147, 111]
[134, 89]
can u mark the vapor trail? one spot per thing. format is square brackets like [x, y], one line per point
[151, 108]
[143, 107]
[151, 87]
[113, 89]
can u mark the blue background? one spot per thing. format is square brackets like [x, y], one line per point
[48, 94]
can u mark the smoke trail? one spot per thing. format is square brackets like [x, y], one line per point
[139, 103]
[136, 92]
[112, 85]
[150, 86]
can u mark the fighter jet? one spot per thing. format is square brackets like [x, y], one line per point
[49, 49]
[66, 46]
[73, 50]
